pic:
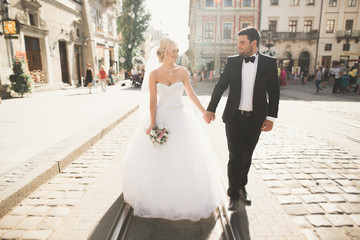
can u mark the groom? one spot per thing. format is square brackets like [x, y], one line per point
[251, 76]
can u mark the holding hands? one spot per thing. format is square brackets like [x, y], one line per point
[209, 117]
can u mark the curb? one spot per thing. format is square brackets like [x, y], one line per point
[49, 163]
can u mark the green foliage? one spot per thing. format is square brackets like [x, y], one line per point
[132, 23]
[21, 82]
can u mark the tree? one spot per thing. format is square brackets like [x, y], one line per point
[132, 24]
[21, 82]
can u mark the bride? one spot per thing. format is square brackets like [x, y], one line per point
[179, 179]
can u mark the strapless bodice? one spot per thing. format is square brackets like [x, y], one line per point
[170, 96]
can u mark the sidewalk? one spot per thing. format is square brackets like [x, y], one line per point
[45, 131]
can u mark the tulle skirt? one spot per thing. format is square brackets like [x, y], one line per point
[177, 180]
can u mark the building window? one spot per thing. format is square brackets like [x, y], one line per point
[332, 3]
[330, 25]
[209, 3]
[346, 47]
[294, 2]
[245, 25]
[351, 3]
[31, 19]
[274, 2]
[209, 30]
[227, 30]
[272, 26]
[111, 27]
[247, 3]
[310, 2]
[328, 46]
[308, 26]
[292, 26]
[228, 3]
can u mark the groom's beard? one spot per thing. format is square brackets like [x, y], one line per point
[247, 52]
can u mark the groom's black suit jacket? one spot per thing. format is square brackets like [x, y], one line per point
[266, 82]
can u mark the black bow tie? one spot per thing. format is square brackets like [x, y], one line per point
[251, 59]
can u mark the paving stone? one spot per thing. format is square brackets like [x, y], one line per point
[29, 223]
[350, 189]
[301, 176]
[318, 220]
[9, 221]
[21, 210]
[38, 211]
[288, 199]
[352, 198]
[352, 233]
[332, 189]
[295, 209]
[330, 233]
[299, 191]
[59, 212]
[309, 234]
[350, 208]
[335, 198]
[331, 208]
[314, 198]
[316, 190]
[340, 220]
[345, 182]
[280, 191]
[50, 223]
[314, 209]
[351, 176]
[355, 218]
[307, 183]
[12, 235]
[275, 184]
[301, 222]
[37, 234]
[318, 176]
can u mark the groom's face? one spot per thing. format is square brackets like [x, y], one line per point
[246, 48]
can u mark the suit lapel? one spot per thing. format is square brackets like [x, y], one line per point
[239, 72]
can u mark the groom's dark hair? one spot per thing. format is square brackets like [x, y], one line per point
[251, 33]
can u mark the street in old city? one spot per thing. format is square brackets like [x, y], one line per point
[61, 167]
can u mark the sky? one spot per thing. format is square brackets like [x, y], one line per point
[171, 16]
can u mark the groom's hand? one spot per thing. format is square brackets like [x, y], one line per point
[209, 117]
[267, 125]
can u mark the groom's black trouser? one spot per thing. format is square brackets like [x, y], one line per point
[242, 136]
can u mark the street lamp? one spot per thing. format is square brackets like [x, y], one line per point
[269, 41]
[6, 5]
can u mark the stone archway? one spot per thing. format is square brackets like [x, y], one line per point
[304, 60]
[287, 61]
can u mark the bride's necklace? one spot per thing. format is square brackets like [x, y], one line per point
[170, 71]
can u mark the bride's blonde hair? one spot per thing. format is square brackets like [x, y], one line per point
[166, 45]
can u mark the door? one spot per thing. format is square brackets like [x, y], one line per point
[326, 61]
[304, 60]
[63, 62]
[33, 55]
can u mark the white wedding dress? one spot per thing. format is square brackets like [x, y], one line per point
[179, 179]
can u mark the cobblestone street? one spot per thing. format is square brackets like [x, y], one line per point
[304, 183]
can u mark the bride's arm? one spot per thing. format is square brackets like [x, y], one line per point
[190, 92]
[153, 102]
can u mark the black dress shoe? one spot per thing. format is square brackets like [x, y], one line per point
[234, 205]
[245, 197]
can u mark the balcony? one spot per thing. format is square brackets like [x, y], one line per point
[291, 36]
[348, 35]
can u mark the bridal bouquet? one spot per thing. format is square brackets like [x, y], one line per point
[158, 135]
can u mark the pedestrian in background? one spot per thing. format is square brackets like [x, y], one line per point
[111, 72]
[357, 88]
[282, 77]
[318, 79]
[337, 73]
[103, 77]
[89, 76]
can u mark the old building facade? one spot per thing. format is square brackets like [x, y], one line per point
[339, 33]
[60, 37]
[291, 30]
[213, 30]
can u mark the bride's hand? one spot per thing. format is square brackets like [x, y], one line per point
[149, 129]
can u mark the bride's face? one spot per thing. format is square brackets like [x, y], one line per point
[172, 55]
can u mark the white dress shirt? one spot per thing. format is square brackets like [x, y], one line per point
[248, 75]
